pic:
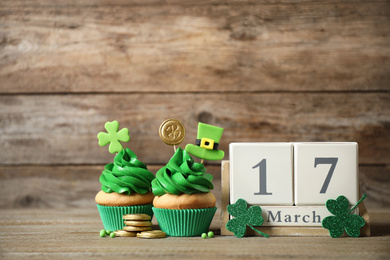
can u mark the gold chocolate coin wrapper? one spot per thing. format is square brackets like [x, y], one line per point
[152, 234]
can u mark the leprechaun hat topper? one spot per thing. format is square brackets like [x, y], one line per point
[207, 141]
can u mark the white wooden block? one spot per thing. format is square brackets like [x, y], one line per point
[325, 171]
[261, 173]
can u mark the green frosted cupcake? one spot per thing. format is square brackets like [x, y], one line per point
[184, 205]
[126, 189]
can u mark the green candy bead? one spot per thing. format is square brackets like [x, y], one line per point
[204, 235]
[102, 233]
[210, 234]
[112, 235]
[108, 232]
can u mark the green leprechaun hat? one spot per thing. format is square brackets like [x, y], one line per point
[207, 143]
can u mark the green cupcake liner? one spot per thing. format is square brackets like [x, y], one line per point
[184, 222]
[112, 217]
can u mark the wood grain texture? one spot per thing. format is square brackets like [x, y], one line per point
[264, 70]
[63, 186]
[74, 233]
[62, 129]
[175, 46]
[76, 186]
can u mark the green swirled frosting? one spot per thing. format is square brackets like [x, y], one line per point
[126, 175]
[182, 175]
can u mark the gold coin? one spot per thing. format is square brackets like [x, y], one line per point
[124, 233]
[138, 223]
[152, 234]
[136, 229]
[136, 217]
[172, 132]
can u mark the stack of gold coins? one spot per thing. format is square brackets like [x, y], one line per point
[139, 225]
[137, 222]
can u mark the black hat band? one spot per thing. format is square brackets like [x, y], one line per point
[206, 144]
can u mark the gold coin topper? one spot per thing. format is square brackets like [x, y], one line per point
[172, 132]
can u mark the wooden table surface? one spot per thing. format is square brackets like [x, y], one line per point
[70, 233]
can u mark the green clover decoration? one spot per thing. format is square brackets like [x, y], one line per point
[113, 137]
[343, 219]
[243, 217]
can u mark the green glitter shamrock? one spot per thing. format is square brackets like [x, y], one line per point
[342, 218]
[113, 137]
[243, 217]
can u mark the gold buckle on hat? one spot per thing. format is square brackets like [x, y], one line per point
[207, 143]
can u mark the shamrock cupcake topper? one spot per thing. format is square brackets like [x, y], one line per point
[206, 145]
[113, 137]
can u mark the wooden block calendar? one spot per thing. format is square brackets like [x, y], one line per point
[291, 182]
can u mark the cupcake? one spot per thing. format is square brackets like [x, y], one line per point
[125, 187]
[184, 205]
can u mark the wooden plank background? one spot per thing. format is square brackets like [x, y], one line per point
[262, 70]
